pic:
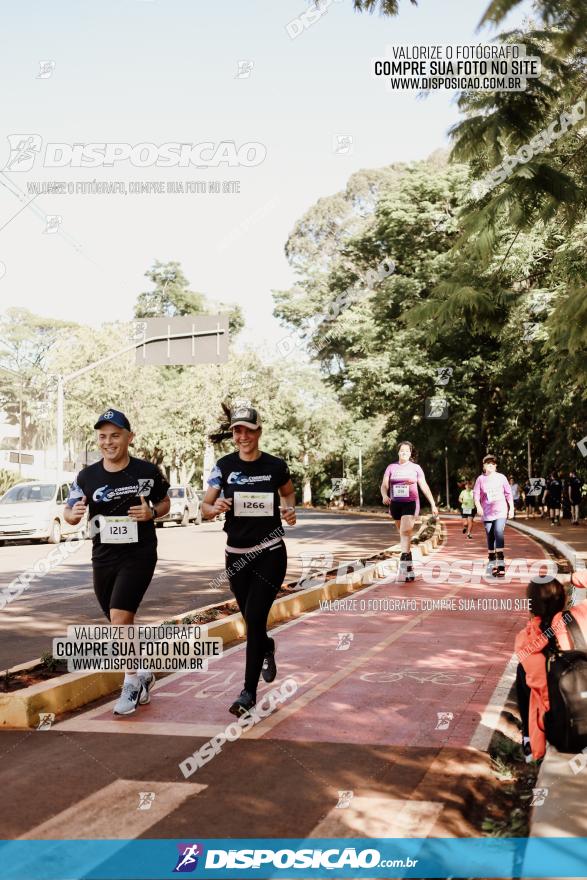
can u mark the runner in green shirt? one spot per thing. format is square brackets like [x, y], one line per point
[467, 503]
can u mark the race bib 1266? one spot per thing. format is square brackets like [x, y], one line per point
[253, 503]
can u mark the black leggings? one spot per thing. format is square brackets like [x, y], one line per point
[255, 584]
[523, 694]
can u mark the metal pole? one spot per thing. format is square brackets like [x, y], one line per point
[360, 477]
[446, 476]
[529, 459]
[20, 428]
[59, 433]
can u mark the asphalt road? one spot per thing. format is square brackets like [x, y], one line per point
[190, 561]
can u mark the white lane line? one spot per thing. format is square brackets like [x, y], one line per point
[113, 811]
[378, 816]
[489, 721]
[153, 728]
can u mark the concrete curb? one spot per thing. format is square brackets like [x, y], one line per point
[577, 559]
[21, 709]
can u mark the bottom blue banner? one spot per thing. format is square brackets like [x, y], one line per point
[293, 858]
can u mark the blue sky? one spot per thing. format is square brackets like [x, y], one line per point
[156, 71]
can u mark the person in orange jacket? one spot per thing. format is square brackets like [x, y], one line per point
[548, 617]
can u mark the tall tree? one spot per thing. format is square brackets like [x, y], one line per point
[26, 343]
[171, 297]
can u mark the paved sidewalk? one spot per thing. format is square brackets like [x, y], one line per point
[398, 723]
[574, 536]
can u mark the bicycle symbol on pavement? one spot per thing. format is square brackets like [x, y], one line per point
[430, 676]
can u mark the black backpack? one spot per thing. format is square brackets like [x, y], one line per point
[565, 723]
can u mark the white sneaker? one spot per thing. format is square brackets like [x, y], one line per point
[147, 680]
[128, 699]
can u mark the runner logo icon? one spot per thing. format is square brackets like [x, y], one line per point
[187, 860]
[23, 150]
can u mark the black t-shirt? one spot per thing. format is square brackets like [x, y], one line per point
[253, 487]
[554, 490]
[110, 494]
[575, 486]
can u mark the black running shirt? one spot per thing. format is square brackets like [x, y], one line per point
[253, 487]
[110, 494]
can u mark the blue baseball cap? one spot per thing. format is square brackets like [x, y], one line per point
[115, 417]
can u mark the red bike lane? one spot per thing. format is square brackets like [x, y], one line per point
[385, 735]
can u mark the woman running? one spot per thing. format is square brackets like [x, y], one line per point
[467, 503]
[493, 499]
[399, 489]
[247, 486]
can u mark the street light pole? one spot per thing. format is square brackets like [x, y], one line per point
[446, 477]
[20, 402]
[360, 476]
[59, 440]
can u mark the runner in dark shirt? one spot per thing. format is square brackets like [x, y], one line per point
[249, 486]
[553, 498]
[123, 496]
[574, 488]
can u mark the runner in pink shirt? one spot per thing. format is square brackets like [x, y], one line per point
[399, 489]
[493, 499]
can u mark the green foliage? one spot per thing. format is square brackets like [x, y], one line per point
[8, 479]
[384, 7]
[26, 343]
[454, 300]
[49, 662]
[171, 297]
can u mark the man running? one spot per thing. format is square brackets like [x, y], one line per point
[553, 498]
[399, 489]
[493, 498]
[247, 486]
[124, 552]
[467, 503]
[574, 490]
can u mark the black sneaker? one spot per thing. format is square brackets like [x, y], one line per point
[269, 669]
[464, 530]
[242, 704]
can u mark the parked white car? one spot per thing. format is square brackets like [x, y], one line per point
[34, 509]
[185, 507]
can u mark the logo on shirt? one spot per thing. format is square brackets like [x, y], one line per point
[104, 494]
[236, 478]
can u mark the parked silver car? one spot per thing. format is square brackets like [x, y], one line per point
[185, 507]
[34, 509]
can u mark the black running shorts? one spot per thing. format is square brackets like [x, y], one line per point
[123, 583]
[397, 509]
